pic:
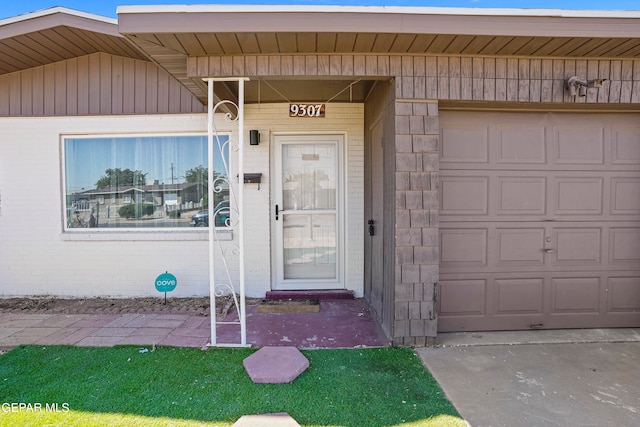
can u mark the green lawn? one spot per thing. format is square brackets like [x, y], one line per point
[169, 386]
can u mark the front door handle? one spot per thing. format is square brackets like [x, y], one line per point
[549, 251]
[371, 228]
[276, 212]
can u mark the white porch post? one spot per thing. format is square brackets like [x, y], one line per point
[238, 209]
[243, 317]
[212, 267]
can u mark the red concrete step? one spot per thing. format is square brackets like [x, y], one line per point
[309, 295]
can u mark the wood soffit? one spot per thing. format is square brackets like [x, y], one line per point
[252, 43]
[57, 36]
[170, 38]
[215, 30]
[170, 50]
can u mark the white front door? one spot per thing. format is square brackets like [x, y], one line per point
[307, 216]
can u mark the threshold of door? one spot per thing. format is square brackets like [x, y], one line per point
[309, 295]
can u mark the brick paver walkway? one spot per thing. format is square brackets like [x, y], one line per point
[338, 324]
[104, 329]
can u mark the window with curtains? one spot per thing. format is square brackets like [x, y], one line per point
[143, 182]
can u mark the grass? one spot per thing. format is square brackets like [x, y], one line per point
[170, 386]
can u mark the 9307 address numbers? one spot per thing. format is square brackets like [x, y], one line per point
[306, 110]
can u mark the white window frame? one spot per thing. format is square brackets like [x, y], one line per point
[171, 233]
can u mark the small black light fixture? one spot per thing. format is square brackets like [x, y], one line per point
[254, 137]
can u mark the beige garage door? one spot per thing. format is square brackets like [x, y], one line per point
[540, 221]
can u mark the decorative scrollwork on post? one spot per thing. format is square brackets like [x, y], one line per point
[225, 214]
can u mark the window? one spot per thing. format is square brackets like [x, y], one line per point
[141, 182]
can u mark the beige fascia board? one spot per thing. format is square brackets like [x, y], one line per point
[55, 17]
[412, 20]
[399, 10]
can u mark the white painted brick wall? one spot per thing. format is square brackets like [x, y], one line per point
[274, 118]
[37, 258]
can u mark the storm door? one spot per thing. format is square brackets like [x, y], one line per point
[306, 215]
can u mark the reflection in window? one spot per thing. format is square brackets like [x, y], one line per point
[141, 181]
[309, 176]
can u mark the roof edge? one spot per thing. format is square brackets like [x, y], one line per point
[398, 10]
[378, 19]
[56, 10]
[54, 17]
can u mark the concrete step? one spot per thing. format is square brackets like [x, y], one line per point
[309, 295]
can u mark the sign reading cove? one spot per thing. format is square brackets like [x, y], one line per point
[166, 282]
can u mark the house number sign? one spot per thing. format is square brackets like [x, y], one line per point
[306, 110]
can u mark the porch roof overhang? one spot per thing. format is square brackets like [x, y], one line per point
[56, 34]
[171, 34]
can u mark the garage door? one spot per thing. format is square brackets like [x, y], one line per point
[540, 221]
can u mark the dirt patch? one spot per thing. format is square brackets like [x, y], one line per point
[196, 306]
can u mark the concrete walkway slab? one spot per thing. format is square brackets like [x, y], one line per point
[275, 365]
[267, 420]
[547, 384]
[554, 336]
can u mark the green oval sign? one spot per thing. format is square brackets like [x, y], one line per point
[166, 282]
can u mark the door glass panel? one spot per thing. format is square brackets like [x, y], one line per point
[310, 246]
[309, 199]
[309, 176]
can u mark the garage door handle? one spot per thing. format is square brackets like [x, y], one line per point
[549, 251]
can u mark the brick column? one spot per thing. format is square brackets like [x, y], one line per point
[416, 238]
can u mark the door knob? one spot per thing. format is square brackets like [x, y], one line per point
[549, 251]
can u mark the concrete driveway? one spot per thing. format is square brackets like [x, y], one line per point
[541, 378]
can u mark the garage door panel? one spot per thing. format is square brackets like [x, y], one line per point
[520, 247]
[550, 245]
[575, 295]
[521, 195]
[532, 196]
[540, 221]
[464, 195]
[521, 145]
[519, 296]
[462, 298]
[624, 245]
[496, 301]
[533, 301]
[464, 248]
[577, 246]
[626, 146]
[578, 195]
[624, 295]
[625, 199]
[466, 143]
[580, 144]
